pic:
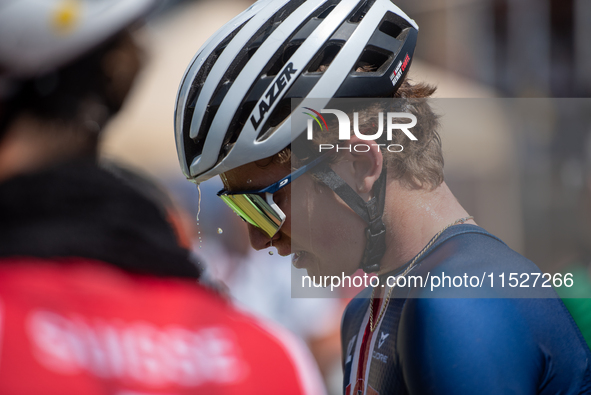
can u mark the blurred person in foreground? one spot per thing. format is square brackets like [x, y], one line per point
[389, 213]
[97, 294]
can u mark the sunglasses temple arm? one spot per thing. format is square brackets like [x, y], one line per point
[271, 202]
[289, 178]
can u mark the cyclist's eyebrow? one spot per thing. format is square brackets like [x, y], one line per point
[250, 188]
[227, 188]
[246, 188]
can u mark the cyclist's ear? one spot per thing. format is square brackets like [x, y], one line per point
[360, 165]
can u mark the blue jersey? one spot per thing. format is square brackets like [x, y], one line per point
[439, 343]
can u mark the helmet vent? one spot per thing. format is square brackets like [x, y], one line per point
[282, 111]
[361, 11]
[194, 147]
[239, 121]
[324, 58]
[281, 60]
[206, 68]
[234, 70]
[390, 29]
[325, 13]
[255, 42]
[279, 115]
[371, 59]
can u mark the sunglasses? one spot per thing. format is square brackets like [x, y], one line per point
[258, 207]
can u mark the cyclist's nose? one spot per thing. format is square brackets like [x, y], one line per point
[258, 239]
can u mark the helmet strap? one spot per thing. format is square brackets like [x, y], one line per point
[371, 212]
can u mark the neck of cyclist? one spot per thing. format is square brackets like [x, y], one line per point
[412, 217]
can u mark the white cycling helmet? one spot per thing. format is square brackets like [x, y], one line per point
[38, 36]
[233, 104]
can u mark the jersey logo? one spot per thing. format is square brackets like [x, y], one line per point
[383, 337]
[136, 351]
[350, 348]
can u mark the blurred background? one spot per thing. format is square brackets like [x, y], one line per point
[526, 180]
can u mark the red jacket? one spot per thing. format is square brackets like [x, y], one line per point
[79, 326]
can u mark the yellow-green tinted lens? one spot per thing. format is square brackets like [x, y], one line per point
[254, 210]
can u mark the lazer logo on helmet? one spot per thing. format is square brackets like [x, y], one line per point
[345, 128]
[272, 93]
